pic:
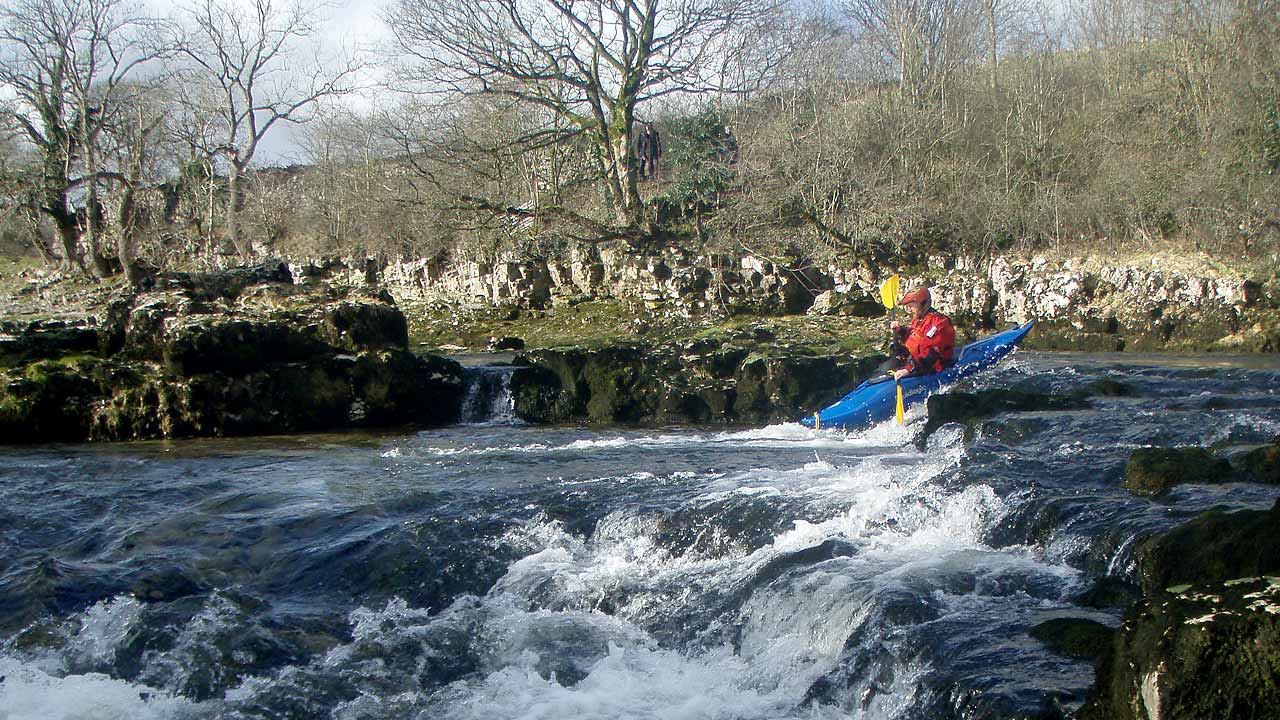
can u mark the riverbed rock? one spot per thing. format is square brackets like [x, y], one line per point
[964, 407]
[1214, 547]
[1153, 471]
[1262, 464]
[1074, 637]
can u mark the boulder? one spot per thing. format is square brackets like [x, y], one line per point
[832, 302]
[1153, 471]
[1262, 464]
[698, 382]
[506, 344]
[1205, 641]
[1204, 650]
[1075, 637]
[1214, 547]
[231, 353]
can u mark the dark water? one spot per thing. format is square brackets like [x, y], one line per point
[495, 571]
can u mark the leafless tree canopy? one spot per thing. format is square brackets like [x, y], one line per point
[72, 65]
[588, 64]
[251, 73]
[869, 129]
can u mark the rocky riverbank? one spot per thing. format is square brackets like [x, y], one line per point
[239, 352]
[1161, 302]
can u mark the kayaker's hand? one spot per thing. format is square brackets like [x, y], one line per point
[895, 326]
[899, 374]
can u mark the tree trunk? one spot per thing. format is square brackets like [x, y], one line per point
[235, 203]
[92, 235]
[991, 28]
[68, 230]
[126, 245]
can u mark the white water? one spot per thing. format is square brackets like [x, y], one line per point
[778, 573]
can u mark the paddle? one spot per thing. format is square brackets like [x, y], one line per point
[889, 296]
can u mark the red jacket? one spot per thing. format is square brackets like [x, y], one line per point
[931, 341]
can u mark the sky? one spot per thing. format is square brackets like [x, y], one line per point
[352, 23]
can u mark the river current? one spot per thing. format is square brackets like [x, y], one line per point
[496, 570]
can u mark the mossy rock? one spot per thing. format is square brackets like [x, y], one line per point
[1263, 464]
[1209, 650]
[234, 346]
[47, 401]
[1213, 547]
[1075, 637]
[1153, 471]
[962, 407]
[354, 326]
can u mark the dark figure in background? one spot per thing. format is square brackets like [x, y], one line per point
[928, 344]
[648, 150]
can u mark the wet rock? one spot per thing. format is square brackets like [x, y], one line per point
[1202, 650]
[1263, 464]
[962, 407]
[1013, 431]
[1152, 471]
[627, 384]
[1109, 592]
[167, 584]
[232, 353]
[1107, 387]
[506, 344]
[1214, 547]
[1205, 641]
[1074, 637]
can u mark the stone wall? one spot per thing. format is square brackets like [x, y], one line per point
[1087, 304]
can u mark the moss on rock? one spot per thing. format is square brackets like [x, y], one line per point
[1153, 471]
[1209, 650]
[1075, 637]
[1263, 464]
[237, 353]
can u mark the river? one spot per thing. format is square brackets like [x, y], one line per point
[497, 570]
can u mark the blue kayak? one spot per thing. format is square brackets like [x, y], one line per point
[874, 400]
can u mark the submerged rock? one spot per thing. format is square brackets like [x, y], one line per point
[1153, 471]
[963, 407]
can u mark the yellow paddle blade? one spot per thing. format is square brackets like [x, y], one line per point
[889, 291]
[900, 412]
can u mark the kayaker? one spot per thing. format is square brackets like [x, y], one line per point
[928, 344]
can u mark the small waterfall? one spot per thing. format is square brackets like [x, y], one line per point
[487, 398]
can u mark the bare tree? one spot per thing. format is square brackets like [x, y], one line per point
[585, 65]
[71, 64]
[925, 39]
[253, 68]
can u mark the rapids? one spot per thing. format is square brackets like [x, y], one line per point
[498, 570]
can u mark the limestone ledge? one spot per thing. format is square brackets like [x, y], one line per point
[1082, 303]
